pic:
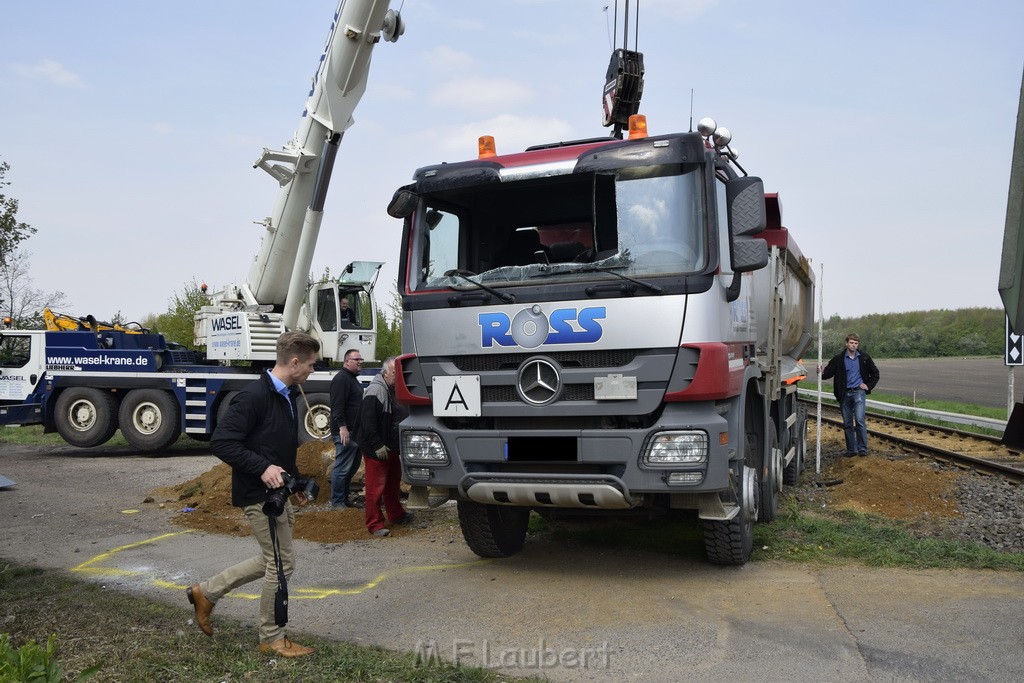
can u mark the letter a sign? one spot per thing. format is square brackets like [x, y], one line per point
[1014, 346]
[457, 396]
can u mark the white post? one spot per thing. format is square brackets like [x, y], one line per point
[1010, 396]
[821, 315]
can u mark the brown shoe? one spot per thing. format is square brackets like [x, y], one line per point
[286, 648]
[203, 608]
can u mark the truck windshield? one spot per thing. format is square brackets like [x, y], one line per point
[644, 222]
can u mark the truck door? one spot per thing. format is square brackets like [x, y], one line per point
[21, 364]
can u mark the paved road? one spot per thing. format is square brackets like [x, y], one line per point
[627, 614]
[981, 381]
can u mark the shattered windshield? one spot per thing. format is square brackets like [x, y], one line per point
[641, 222]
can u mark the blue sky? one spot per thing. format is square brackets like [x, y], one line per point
[131, 128]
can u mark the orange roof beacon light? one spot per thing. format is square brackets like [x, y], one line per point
[8, 321]
[637, 126]
[485, 147]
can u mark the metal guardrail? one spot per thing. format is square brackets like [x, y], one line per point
[955, 418]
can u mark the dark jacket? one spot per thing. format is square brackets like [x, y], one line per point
[837, 368]
[376, 422]
[257, 431]
[346, 396]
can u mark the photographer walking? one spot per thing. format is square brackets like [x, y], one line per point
[258, 438]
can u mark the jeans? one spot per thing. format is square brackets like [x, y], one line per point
[346, 463]
[854, 425]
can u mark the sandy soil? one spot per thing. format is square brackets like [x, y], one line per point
[884, 483]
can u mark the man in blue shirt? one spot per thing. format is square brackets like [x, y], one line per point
[853, 375]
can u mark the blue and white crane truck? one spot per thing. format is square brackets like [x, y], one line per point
[602, 326]
[87, 383]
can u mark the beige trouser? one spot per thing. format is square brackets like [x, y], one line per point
[262, 565]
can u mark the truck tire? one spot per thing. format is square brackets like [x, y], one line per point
[493, 530]
[315, 421]
[771, 477]
[85, 417]
[796, 466]
[150, 419]
[731, 541]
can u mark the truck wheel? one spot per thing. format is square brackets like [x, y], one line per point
[150, 419]
[771, 477]
[315, 421]
[86, 417]
[796, 466]
[731, 541]
[493, 530]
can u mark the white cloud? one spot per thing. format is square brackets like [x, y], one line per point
[51, 71]
[161, 128]
[444, 58]
[477, 93]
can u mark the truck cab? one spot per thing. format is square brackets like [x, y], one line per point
[599, 326]
[22, 366]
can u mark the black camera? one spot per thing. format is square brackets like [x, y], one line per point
[276, 498]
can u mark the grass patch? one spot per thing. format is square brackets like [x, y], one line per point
[154, 642]
[838, 536]
[797, 535]
[32, 435]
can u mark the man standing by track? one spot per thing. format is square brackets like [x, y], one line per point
[855, 375]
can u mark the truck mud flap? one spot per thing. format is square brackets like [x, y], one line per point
[548, 490]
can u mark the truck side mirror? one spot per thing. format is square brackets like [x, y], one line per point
[403, 203]
[749, 253]
[747, 212]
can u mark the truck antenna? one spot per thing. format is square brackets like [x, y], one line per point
[691, 110]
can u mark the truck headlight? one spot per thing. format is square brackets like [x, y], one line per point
[677, 448]
[425, 447]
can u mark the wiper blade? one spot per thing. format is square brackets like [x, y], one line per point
[608, 269]
[465, 275]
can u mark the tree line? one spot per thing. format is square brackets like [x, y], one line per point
[921, 334]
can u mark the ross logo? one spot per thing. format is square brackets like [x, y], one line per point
[538, 381]
[531, 327]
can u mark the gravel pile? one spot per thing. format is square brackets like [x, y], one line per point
[992, 509]
[993, 512]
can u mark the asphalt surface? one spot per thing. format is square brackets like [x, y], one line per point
[561, 610]
[981, 381]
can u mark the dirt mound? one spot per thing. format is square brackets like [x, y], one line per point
[884, 483]
[205, 503]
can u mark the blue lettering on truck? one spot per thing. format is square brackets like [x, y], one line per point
[530, 328]
[228, 323]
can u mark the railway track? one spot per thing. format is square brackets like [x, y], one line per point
[966, 450]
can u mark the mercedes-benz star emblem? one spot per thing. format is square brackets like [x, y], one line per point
[538, 381]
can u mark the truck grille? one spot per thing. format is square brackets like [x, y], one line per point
[508, 394]
[567, 359]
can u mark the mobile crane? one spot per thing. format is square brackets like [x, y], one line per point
[86, 379]
[243, 321]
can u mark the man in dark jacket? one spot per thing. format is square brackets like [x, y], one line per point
[853, 375]
[346, 395]
[378, 439]
[258, 438]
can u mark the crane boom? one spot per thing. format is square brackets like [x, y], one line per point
[243, 320]
[306, 161]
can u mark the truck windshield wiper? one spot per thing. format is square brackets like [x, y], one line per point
[465, 275]
[608, 269]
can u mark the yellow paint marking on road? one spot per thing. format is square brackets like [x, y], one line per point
[88, 568]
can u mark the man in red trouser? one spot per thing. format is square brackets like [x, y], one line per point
[377, 436]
